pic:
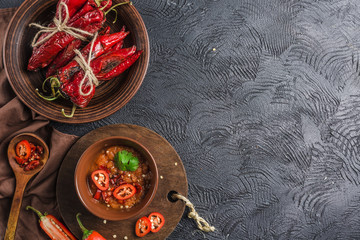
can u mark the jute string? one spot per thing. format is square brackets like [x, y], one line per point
[85, 65]
[202, 224]
[60, 26]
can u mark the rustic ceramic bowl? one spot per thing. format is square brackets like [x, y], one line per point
[82, 173]
[109, 97]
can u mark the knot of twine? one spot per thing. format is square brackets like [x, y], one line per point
[85, 65]
[202, 224]
[60, 26]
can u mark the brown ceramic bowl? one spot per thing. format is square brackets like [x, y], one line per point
[109, 96]
[82, 173]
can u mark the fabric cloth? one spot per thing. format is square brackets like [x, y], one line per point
[16, 118]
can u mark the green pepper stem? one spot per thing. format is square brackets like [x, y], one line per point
[49, 98]
[54, 82]
[72, 112]
[85, 231]
[36, 211]
[116, 5]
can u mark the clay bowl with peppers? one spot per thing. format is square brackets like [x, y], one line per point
[109, 97]
[120, 194]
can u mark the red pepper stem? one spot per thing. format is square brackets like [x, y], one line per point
[116, 5]
[36, 211]
[85, 231]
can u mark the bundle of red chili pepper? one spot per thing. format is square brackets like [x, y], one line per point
[66, 73]
[86, 15]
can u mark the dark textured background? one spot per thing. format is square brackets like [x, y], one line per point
[261, 100]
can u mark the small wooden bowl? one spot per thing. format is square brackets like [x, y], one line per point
[109, 97]
[82, 172]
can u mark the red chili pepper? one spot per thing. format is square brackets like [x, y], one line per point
[32, 147]
[97, 195]
[157, 221]
[101, 179]
[104, 68]
[73, 7]
[101, 45]
[88, 234]
[53, 227]
[64, 57]
[105, 31]
[32, 165]
[124, 191]
[44, 54]
[108, 61]
[20, 161]
[116, 71]
[105, 5]
[142, 227]
[23, 149]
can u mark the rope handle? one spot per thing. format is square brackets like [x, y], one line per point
[202, 224]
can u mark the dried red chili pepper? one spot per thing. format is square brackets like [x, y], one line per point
[88, 234]
[53, 227]
[104, 66]
[20, 161]
[101, 45]
[104, 74]
[44, 54]
[68, 54]
[64, 57]
[108, 61]
[32, 165]
[73, 7]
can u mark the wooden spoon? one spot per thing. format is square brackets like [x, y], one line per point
[22, 178]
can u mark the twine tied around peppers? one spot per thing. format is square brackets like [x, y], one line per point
[202, 224]
[60, 26]
[85, 65]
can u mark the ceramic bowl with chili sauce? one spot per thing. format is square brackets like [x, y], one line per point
[116, 178]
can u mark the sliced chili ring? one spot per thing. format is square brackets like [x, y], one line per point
[20, 160]
[124, 191]
[157, 220]
[101, 179]
[23, 149]
[32, 165]
[142, 227]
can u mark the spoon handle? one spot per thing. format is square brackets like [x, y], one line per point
[15, 210]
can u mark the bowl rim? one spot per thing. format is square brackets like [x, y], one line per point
[97, 114]
[151, 192]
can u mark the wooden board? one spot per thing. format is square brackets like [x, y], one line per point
[172, 178]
